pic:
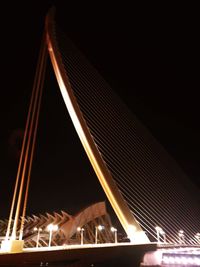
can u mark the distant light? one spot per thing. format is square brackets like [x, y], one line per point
[79, 229]
[100, 227]
[197, 235]
[113, 229]
[52, 227]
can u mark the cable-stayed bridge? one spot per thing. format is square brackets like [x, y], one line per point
[143, 183]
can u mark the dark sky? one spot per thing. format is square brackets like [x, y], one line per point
[151, 59]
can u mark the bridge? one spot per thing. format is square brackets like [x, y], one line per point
[151, 196]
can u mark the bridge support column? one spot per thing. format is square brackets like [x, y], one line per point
[12, 246]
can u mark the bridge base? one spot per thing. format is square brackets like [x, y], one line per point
[12, 246]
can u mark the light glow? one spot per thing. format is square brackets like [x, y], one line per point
[113, 229]
[184, 260]
[52, 227]
[135, 236]
[100, 227]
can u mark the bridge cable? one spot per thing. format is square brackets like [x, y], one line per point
[24, 154]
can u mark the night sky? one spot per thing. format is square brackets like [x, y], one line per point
[150, 59]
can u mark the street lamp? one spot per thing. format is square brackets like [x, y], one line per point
[38, 234]
[51, 227]
[164, 235]
[114, 230]
[181, 236]
[197, 236]
[98, 228]
[81, 230]
[158, 232]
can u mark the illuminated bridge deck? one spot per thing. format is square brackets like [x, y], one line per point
[121, 254]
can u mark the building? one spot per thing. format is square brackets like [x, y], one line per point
[72, 229]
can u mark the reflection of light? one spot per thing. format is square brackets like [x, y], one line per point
[183, 260]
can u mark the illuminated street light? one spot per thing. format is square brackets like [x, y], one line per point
[51, 227]
[81, 230]
[114, 230]
[197, 236]
[98, 228]
[181, 236]
[38, 235]
[164, 235]
[158, 232]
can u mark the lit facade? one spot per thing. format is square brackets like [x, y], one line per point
[36, 227]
